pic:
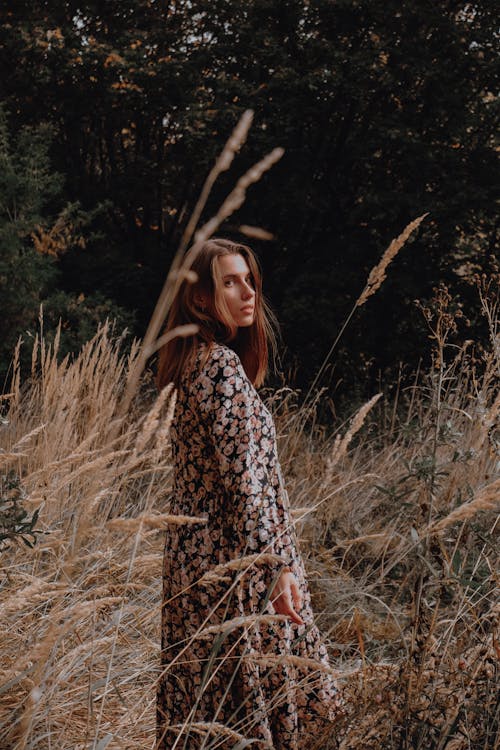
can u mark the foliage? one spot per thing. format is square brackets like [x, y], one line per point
[385, 110]
[15, 522]
[33, 242]
[26, 186]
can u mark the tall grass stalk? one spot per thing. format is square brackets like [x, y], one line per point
[373, 283]
[405, 600]
[179, 269]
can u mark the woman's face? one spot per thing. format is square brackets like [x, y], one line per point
[237, 288]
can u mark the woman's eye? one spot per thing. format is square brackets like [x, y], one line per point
[230, 282]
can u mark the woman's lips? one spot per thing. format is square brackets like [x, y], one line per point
[247, 309]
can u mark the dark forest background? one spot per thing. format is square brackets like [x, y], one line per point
[113, 113]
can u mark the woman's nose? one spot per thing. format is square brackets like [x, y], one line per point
[248, 291]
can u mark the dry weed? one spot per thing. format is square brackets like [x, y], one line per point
[81, 609]
[401, 563]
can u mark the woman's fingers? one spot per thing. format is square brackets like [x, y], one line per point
[296, 594]
[296, 617]
[283, 602]
[286, 608]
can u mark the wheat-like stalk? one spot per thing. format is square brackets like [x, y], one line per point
[203, 729]
[341, 444]
[26, 438]
[488, 498]
[7, 458]
[301, 662]
[38, 590]
[237, 196]
[153, 521]
[218, 572]
[374, 282]
[256, 232]
[239, 622]
[163, 433]
[378, 273]
[178, 269]
[234, 143]
[152, 419]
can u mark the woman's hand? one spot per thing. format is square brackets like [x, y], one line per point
[284, 593]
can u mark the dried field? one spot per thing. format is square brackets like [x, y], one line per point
[397, 525]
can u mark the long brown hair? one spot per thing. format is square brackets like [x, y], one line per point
[251, 343]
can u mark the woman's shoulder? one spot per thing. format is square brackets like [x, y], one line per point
[218, 372]
[214, 360]
[217, 359]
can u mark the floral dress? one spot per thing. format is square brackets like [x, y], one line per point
[229, 661]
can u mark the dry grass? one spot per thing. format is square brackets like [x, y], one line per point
[397, 528]
[397, 524]
[80, 613]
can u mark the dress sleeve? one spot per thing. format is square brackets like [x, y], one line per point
[244, 445]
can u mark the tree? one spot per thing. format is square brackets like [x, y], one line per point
[385, 110]
[35, 231]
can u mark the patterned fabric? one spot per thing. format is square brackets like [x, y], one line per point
[227, 474]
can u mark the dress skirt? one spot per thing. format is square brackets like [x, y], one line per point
[234, 673]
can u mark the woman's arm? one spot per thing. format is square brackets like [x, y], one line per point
[244, 448]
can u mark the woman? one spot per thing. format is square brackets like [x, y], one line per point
[241, 674]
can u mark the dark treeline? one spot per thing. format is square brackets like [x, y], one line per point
[113, 113]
